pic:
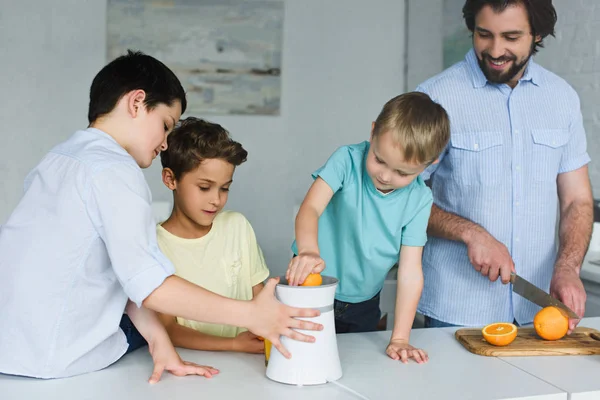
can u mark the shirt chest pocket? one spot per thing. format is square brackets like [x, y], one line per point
[477, 158]
[546, 152]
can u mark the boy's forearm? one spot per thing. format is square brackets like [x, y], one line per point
[307, 230]
[177, 296]
[408, 293]
[146, 322]
[188, 338]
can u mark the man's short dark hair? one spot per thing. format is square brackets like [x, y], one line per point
[541, 14]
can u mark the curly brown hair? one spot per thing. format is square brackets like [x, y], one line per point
[194, 140]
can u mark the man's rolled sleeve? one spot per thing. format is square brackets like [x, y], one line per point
[574, 154]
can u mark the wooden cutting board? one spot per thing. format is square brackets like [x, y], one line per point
[583, 341]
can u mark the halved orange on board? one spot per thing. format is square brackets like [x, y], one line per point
[500, 333]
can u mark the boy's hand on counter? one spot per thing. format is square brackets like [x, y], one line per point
[166, 359]
[303, 265]
[400, 350]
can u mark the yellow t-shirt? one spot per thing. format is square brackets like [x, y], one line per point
[227, 261]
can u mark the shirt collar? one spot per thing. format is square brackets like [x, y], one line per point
[108, 137]
[532, 71]
[102, 133]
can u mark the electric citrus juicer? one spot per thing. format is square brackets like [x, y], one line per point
[311, 363]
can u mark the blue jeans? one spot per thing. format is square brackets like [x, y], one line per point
[134, 337]
[357, 317]
[436, 323]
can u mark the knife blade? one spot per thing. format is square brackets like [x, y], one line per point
[536, 295]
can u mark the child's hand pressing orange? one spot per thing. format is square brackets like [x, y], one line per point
[301, 266]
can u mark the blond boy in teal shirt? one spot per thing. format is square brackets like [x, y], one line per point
[368, 209]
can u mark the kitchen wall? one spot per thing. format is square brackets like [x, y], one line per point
[342, 59]
[574, 54]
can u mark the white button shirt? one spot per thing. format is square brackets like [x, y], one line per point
[81, 242]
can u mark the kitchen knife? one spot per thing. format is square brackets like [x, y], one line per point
[536, 295]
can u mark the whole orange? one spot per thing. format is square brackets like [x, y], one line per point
[551, 323]
[312, 280]
[499, 333]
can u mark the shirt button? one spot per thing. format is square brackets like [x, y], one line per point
[517, 204]
[516, 239]
[476, 146]
[518, 167]
[516, 131]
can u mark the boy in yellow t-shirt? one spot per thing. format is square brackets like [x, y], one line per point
[212, 248]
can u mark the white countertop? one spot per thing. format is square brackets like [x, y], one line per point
[452, 373]
[577, 375]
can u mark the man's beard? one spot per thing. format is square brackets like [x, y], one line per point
[495, 76]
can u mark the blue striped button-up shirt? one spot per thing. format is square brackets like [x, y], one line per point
[499, 170]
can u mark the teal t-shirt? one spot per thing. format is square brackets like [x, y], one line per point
[361, 229]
